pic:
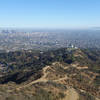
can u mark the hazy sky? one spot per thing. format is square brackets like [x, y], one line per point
[50, 13]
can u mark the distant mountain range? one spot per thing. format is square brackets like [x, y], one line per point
[96, 28]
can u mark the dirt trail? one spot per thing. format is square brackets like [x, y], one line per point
[71, 94]
[42, 79]
[60, 79]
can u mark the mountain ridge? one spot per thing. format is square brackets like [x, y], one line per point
[70, 73]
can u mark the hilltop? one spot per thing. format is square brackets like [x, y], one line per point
[62, 74]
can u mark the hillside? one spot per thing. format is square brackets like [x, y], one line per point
[63, 74]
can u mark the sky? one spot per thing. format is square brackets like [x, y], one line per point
[50, 13]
